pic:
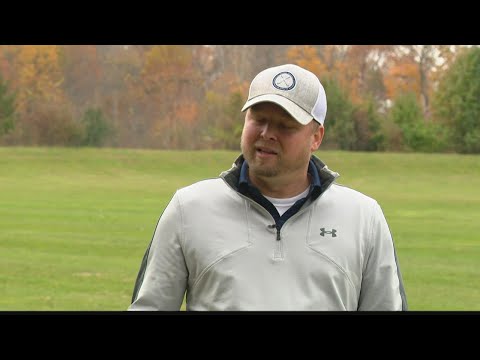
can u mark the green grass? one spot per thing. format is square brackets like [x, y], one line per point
[74, 223]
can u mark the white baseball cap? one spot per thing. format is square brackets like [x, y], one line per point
[295, 89]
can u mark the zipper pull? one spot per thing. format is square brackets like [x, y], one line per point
[278, 230]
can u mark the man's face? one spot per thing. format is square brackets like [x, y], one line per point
[274, 143]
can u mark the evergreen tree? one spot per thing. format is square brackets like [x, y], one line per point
[7, 108]
[457, 104]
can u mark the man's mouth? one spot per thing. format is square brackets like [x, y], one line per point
[265, 150]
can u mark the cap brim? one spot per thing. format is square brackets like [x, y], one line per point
[293, 109]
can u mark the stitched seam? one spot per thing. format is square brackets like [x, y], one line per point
[370, 237]
[334, 263]
[247, 206]
[322, 254]
[246, 203]
[214, 263]
[182, 228]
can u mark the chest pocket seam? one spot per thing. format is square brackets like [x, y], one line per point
[334, 263]
[215, 262]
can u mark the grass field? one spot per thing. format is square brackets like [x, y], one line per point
[74, 223]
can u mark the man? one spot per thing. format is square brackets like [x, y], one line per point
[275, 232]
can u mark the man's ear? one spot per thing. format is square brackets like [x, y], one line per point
[317, 138]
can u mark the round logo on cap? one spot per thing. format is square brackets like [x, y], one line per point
[284, 81]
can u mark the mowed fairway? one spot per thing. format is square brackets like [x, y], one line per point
[75, 223]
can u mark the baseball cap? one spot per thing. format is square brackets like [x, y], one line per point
[294, 88]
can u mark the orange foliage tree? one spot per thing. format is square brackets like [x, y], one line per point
[36, 77]
[170, 88]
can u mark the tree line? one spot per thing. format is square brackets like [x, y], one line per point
[380, 97]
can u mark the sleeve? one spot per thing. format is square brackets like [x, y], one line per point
[162, 279]
[382, 286]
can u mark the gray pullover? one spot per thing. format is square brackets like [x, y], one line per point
[225, 251]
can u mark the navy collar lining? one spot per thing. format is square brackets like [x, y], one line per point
[312, 170]
[248, 189]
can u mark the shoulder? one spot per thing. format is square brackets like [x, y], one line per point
[342, 193]
[203, 190]
[202, 185]
[349, 203]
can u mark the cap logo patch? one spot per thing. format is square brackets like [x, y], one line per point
[284, 81]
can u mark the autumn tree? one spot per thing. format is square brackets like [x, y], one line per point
[245, 61]
[8, 55]
[357, 68]
[221, 119]
[121, 93]
[354, 86]
[39, 76]
[414, 69]
[402, 77]
[82, 74]
[322, 63]
[170, 88]
[36, 77]
[360, 71]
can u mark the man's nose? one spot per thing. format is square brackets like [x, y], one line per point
[267, 131]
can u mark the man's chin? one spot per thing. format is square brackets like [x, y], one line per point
[264, 171]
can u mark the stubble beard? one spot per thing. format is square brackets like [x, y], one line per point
[259, 169]
[255, 168]
[263, 171]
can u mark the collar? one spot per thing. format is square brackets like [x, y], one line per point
[244, 181]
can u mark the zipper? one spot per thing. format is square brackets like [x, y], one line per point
[278, 251]
[278, 231]
[278, 248]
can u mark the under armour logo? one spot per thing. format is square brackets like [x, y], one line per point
[323, 232]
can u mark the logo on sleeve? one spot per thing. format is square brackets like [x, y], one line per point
[332, 232]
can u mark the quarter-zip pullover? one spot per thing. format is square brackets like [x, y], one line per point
[225, 245]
